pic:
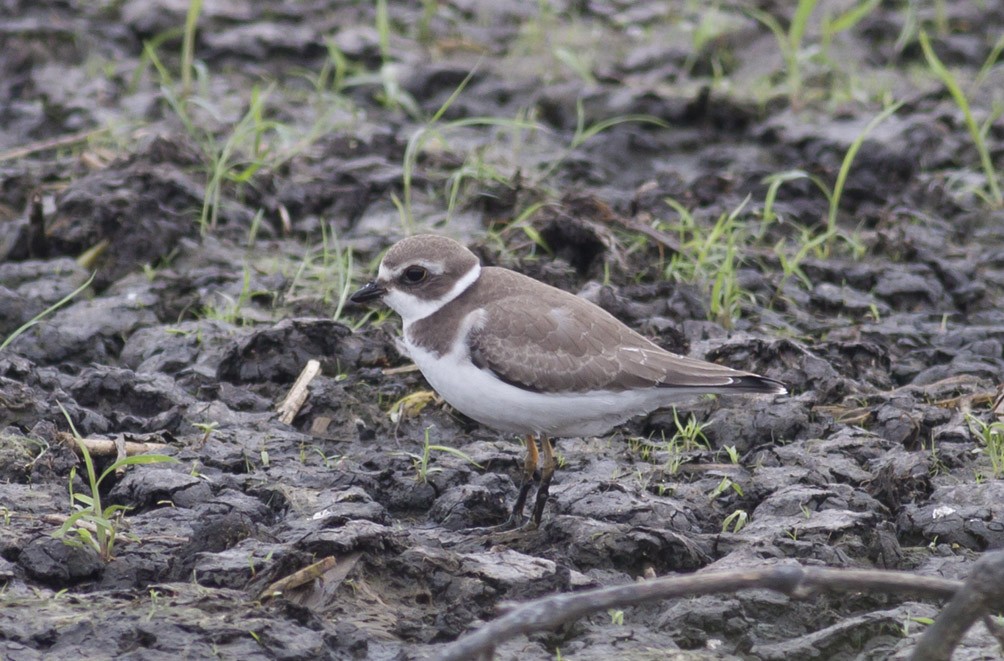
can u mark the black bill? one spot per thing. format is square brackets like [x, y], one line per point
[370, 292]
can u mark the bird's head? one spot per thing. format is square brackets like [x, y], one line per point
[421, 274]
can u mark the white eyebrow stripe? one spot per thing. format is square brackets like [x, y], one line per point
[435, 268]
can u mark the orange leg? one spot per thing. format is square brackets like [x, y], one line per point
[529, 468]
[546, 473]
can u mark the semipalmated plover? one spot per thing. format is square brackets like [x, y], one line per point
[521, 356]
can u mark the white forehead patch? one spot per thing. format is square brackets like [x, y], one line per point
[412, 308]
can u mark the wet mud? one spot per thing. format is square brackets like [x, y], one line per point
[198, 246]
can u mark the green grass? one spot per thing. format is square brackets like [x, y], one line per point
[235, 152]
[91, 524]
[737, 521]
[327, 272]
[725, 485]
[421, 461]
[991, 438]
[479, 169]
[824, 242]
[188, 46]
[383, 30]
[796, 52]
[435, 128]
[237, 158]
[977, 132]
[791, 254]
[789, 42]
[690, 434]
[230, 310]
[688, 438]
[732, 453]
[711, 255]
[585, 132]
[46, 312]
[835, 196]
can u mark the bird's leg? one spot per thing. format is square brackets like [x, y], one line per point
[546, 473]
[529, 468]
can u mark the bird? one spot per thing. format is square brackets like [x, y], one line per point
[522, 357]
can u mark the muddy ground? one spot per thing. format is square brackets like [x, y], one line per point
[226, 214]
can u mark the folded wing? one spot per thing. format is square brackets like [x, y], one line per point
[575, 346]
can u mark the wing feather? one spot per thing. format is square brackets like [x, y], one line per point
[575, 346]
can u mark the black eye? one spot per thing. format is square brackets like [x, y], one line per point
[413, 275]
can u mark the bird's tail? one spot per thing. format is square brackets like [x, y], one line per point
[751, 383]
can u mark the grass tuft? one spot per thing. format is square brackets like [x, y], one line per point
[977, 132]
[92, 524]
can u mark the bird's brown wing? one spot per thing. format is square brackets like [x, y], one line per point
[548, 340]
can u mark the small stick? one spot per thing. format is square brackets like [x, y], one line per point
[666, 241]
[287, 222]
[104, 447]
[298, 393]
[45, 145]
[299, 577]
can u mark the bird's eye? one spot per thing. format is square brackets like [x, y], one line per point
[414, 274]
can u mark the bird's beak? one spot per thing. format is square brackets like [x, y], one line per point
[370, 292]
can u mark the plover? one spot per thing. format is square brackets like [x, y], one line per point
[523, 357]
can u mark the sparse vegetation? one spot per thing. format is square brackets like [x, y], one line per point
[799, 55]
[737, 521]
[732, 454]
[421, 460]
[991, 438]
[207, 429]
[691, 433]
[233, 310]
[687, 439]
[45, 313]
[724, 486]
[712, 256]
[329, 276]
[91, 524]
[978, 132]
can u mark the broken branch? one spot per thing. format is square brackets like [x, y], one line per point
[794, 581]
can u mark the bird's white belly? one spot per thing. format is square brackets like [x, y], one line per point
[478, 394]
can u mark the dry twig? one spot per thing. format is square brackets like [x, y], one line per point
[792, 580]
[981, 595]
[51, 143]
[104, 447]
[299, 577]
[298, 393]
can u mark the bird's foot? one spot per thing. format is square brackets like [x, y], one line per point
[509, 524]
[510, 529]
[517, 521]
[508, 533]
